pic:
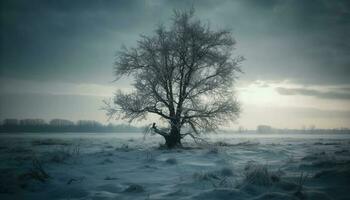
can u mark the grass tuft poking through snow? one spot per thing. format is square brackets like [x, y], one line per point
[123, 148]
[49, 142]
[258, 174]
[36, 172]
[299, 193]
[134, 188]
[218, 179]
[171, 161]
[226, 171]
[62, 154]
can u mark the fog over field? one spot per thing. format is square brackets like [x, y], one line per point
[165, 99]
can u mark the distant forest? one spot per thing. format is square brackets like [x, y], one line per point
[62, 125]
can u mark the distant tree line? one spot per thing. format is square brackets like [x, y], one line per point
[62, 125]
[311, 129]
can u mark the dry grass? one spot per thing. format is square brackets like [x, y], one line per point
[62, 154]
[123, 148]
[49, 142]
[300, 186]
[258, 174]
[218, 179]
[171, 161]
[36, 172]
[149, 156]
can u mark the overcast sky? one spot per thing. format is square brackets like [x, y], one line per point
[57, 56]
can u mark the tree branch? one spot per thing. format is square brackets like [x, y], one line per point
[156, 130]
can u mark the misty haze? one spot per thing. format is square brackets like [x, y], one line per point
[162, 99]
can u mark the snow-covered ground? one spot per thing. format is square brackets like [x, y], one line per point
[124, 166]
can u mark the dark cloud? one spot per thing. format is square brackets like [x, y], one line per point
[48, 106]
[314, 93]
[345, 89]
[304, 41]
[75, 41]
[68, 40]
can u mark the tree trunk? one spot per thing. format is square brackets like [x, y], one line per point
[174, 138]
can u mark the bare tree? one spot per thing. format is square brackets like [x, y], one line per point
[184, 74]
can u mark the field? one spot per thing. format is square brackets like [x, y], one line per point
[120, 166]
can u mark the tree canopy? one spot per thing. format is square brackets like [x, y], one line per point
[184, 74]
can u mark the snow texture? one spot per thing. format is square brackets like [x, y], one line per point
[125, 166]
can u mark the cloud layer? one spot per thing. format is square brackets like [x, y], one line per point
[304, 41]
[314, 93]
